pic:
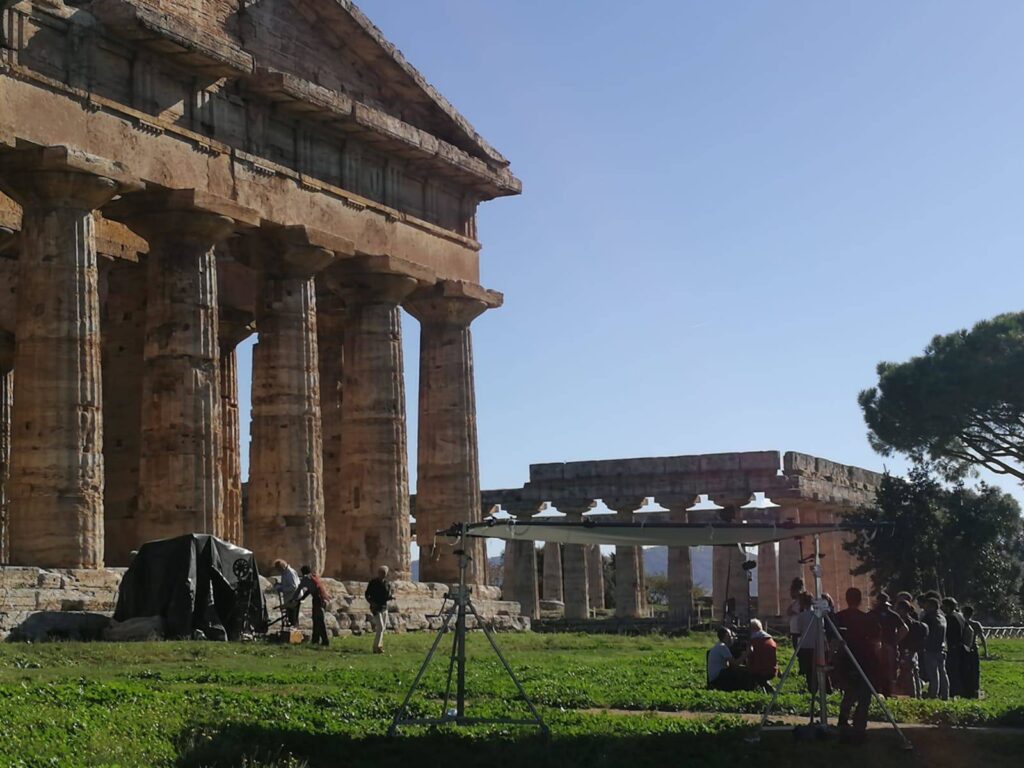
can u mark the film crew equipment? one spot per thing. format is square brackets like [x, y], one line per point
[460, 608]
[820, 623]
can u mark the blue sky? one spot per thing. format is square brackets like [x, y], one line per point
[732, 211]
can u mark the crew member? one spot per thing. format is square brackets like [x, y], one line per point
[378, 594]
[311, 586]
[860, 632]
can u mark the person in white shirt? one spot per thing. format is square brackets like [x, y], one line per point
[724, 672]
[287, 587]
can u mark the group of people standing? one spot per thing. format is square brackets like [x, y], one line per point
[293, 590]
[924, 648]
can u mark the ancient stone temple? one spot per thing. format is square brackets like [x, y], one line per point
[760, 486]
[178, 175]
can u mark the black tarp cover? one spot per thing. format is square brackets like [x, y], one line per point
[196, 581]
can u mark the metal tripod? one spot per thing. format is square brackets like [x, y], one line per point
[819, 699]
[461, 606]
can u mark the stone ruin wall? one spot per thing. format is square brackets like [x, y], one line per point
[294, 154]
[51, 604]
[807, 489]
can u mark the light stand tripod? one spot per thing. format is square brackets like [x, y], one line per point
[819, 700]
[461, 606]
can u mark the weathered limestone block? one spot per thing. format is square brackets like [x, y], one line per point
[180, 483]
[680, 571]
[234, 327]
[552, 575]
[123, 323]
[789, 565]
[286, 477]
[56, 473]
[595, 577]
[767, 580]
[574, 566]
[523, 587]
[330, 329]
[6, 400]
[371, 527]
[629, 578]
[448, 470]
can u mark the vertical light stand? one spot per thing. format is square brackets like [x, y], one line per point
[462, 605]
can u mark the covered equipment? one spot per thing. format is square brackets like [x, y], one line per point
[195, 582]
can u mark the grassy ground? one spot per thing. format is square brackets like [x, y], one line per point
[206, 704]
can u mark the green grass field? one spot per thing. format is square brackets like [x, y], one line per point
[206, 704]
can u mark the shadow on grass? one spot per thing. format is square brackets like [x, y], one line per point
[267, 746]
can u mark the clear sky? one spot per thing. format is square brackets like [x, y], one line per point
[731, 212]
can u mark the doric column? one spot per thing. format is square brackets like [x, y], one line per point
[123, 323]
[789, 559]
[180, 482]
[595, 577]
[330, 341]
[680, 571]
[551, 588]
[6, 400]
[371, 527]
[574, 564]
[767, 580]
[523, 587]
[448, 470]
[235, 326]
[286, 502]
[629, 580]
[56, 472]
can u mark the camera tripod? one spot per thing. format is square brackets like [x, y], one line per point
[461, 607]
[819, 699]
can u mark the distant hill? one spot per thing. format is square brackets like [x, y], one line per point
[656, 564]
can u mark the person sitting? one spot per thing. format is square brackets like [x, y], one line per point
[762, 655]
[724, 671]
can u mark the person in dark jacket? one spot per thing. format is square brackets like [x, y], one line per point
[311, 586]
[973, 633]
[933, 661]
[910, 649]
[893, 630]
[861, 633]
[378, 594]
[956, 625]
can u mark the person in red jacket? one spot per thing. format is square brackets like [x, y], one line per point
[762, 655]
[311, 586]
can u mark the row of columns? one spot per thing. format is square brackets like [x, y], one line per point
[329, 478]
[573, 574]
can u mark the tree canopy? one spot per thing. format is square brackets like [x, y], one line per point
[968, 543]
[959, 405]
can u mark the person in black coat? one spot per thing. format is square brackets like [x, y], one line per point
[378, 594]
[956, 625]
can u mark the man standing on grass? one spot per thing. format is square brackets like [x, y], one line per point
[378, 594]
[861, 633]
[310, 585]
[893, 629]
[956, 625]
[933, 661]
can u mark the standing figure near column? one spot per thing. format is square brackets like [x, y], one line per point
[371, 527]
[55, 484]
[180, 482]
[448, 469]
